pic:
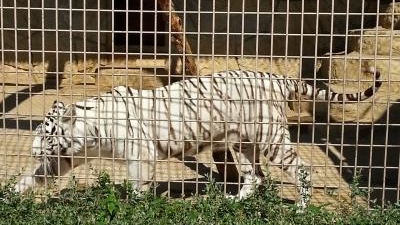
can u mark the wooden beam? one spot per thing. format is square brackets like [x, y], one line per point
[177, 33]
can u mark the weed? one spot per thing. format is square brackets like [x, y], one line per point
[303, 189]
[355, 190]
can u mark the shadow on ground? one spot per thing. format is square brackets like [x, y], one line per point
[373, 150]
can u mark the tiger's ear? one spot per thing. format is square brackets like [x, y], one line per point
[58, 105]
[70, 113]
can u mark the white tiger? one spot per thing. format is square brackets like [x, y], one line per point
[222, 109]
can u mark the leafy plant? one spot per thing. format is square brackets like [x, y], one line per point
[107, 203]
[355, 190]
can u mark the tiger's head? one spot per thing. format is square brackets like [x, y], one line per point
[62, 133]
[48, 135]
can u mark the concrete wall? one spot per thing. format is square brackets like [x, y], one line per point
[23, 29]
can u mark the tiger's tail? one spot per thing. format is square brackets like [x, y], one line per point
[322, 94]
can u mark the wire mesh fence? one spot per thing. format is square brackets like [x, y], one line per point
[71, 51]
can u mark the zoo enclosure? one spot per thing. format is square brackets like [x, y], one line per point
[70, 50]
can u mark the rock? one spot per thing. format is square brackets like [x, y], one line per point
[79, 73]
[345, 76]
[206, 65]
[378, 41]
[136, 73]
[23, 73]
[135, 78]
[118, 71]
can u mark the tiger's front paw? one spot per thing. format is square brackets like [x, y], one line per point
[24, 184]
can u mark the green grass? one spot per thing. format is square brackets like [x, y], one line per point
[107, 203]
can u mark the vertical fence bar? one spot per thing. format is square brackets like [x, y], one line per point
[3, 86]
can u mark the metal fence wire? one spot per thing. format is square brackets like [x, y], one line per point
[71, 51]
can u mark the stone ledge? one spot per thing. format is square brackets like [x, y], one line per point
[346, 76]
[23, 73]
[378, 41]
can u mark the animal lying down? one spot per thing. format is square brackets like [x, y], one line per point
[223, 108]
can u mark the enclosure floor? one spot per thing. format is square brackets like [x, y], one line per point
[25, 110]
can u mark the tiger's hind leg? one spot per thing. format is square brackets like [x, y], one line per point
[248, 158]
[282, 153]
